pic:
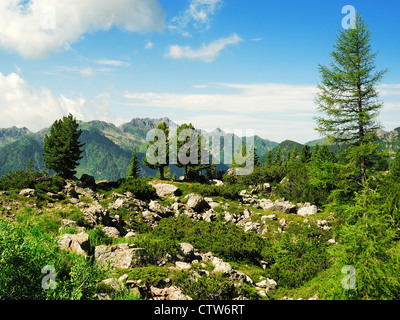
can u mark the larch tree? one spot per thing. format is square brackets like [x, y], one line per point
[348, 95]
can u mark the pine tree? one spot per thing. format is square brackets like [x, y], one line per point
[294, 154]
[305, 154]
[268, 159]
[348, 93]
[162, 152]
[134, 167]
[278, 157]
[62, 149]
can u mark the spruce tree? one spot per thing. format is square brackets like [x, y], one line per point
[134, 167]
[348, 94]
[278, 157]
[62, 149]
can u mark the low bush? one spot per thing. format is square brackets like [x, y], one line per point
[139, 187]
[225, 240]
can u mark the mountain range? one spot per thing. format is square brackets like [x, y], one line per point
[108, 148]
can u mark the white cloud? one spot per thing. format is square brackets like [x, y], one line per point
[34, 109]
[199, 15]
[114, 63]
[149, 45]
[34, 28]
[268, 98]
[206, 53]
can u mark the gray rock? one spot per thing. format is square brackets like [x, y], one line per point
[284, 206]
[267, 284]
[156, 207]
[165, 189]
[28, 193]
[182, 265]
[221, 266]
[196, 202]
[75, 242]
[122, 256]
[112, 232]
[307, 210]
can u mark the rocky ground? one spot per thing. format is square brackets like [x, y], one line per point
[254, 213]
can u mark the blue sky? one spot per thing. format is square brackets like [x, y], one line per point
[230, 64]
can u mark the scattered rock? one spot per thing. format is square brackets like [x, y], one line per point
[165, 189]
[170, 293]
[123, 256]
[196, 202]
[307, 210]
[182, 265]
[112, 232]
[156, 207]
[221, 266]
[75, 242]
[324, 225]
[28, 193]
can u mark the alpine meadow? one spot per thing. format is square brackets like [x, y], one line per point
[138, 159]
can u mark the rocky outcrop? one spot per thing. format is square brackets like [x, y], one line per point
[165, 189]
[122, 256]
[196, 202]
[29, 193]
[75, 242]
[307, 210]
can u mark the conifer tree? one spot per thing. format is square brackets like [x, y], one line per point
[134, 167]
[395, 167]
[62, 149]
[348, 94]
[278, 157]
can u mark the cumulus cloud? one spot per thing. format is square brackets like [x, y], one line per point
[206, 52]
[199, 15]
[34, 28]
[35, 109]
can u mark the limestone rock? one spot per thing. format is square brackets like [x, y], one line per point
[165, 189]
[196, 202]
[75, 242]
[123, 256]
[28, 193]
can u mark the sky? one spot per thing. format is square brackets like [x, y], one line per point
[229, 64]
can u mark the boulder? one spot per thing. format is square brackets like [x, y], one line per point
[267, 284]
[284, 206]
[88, 181]
[112, 232]
[124, 203]
[96, 214]
[165, 189]
[186, 252]
[196, 202]
[221, 266]
[28, 193]
[267, 204]
[122, 256]
[182, 265]
[65, 223]
[156, 207]
[171, 293]
[307, 210]
[75, 242]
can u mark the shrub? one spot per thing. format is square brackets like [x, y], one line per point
[25, 250]
[225, 240]
[139, 187]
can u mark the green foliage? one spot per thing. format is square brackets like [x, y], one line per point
[159, 150]
[134, 167]
[25, 250]
[62, 149]
[139, 187]
[211, 287]
[228, 192]
[348, 93]
[395, 167]
[225, 240]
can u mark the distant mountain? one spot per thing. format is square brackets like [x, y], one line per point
[108, 148]
[12, 134]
